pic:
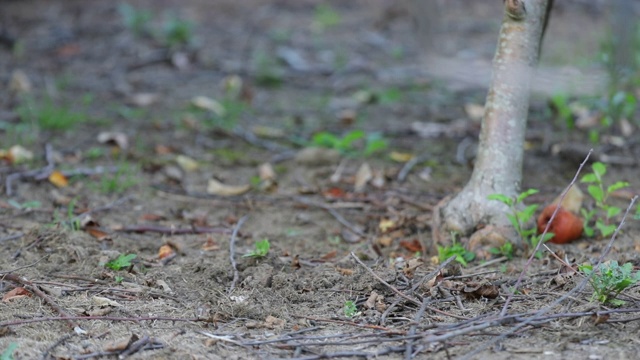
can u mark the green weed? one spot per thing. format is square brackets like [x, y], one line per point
[119, 181]
[603, 213]
[560, 103]
[268, 72]
[136, 20]
[121, 262]
[350, 309]
[520, 218]
[261, 249]
[325, 17]
[505, 250]
[177, 32]
[463, 256]
[49, 116]
[355, 142]
[610, 280]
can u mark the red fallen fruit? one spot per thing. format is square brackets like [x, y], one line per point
[566, 226]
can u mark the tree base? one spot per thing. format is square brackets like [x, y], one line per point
[473, 220]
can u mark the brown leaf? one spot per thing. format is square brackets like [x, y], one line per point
[58, 179]
[477, 290]
[97, 233]
[295, 262]
[345, 272]
[210, 245]
[152, 217]
[412, 245]
[16, 293]
[330, 255]
[165, 251]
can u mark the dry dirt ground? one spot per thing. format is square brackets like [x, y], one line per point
[282, 71]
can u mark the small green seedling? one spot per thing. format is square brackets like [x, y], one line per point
[25, 205]
[350, 309]
[610, 280]
[261, 249]
[136, 20]
[350, 143]
[505, 250]
[48, 115]
[178, 32]
[325, 17]
[121, 262]
[463, 256]
[520, 218]
[603, 213]
[118, 279]
[560, 103]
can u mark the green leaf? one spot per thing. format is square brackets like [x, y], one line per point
[596, 192]
[349, 138]
[617, 186]
[599, 169]
[605, 230]
[588, 230]
[589, 178]
[514, 221]
[325, 139]
[528, 212]
[502, 198]
[613, 211]
[525, 195]
[121, 262]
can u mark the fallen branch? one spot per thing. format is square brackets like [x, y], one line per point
[232, 253]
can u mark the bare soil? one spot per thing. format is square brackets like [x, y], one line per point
[208, 301]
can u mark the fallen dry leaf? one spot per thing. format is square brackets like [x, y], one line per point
[58, 179]
[401, 157]
[16, 293]
[186, 163]
[103, 301]
[165, 251]
[16, 155]
[330, 255]
[119, 139]
[363, 176]
[386, 224]
[412, 245]
[215, 187]
[143, 99]
[19, 83]
[210, 245]
[205, 103]
[97, 233]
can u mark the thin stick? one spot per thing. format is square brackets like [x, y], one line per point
[232, 252]
[433, 273]
[34, 288]
[408, 354]
[546, 229]
[400, 293]
[334, 213]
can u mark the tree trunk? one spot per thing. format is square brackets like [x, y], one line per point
[498, 167]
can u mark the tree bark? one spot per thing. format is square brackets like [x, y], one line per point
[498, 167]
